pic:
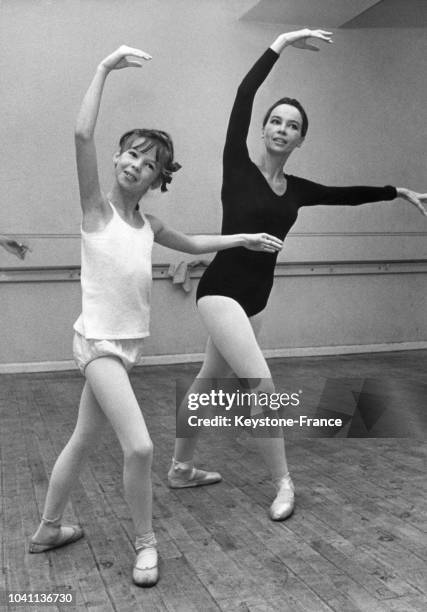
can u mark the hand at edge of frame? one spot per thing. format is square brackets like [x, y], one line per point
[16, 248]
[416, 199]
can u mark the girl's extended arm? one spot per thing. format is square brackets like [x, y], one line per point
[173, 239]
[87, 167]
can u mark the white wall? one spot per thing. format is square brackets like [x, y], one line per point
[365, 100]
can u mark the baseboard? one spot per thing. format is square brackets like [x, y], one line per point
[310, 351]
[314, 351]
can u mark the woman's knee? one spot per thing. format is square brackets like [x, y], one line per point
[267, 386]
[219, 371]
[258, 385]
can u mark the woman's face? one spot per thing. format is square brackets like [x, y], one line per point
[282, 132]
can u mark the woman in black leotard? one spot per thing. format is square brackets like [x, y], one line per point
[236, 285]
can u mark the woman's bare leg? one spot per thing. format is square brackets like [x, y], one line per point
[214, 366]
[182, 472]
[234, 337]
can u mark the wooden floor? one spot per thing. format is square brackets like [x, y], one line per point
[357, 540]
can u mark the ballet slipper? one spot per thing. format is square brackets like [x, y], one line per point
[183, 475]
[145, 570]
[66, 535]
[284, 502]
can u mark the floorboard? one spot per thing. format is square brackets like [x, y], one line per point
[357, 541]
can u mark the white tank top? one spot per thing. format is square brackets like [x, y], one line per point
[116, 281]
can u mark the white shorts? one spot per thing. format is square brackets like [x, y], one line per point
[85, 351]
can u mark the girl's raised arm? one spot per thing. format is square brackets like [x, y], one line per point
[87, 167]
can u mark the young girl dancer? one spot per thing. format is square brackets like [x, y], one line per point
[14, 247]
[235, 288]
[117, 240]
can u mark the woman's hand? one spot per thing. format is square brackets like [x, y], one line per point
[414, 198]
[14, 247]
[300, 38]
[119, 59]
[262, 242]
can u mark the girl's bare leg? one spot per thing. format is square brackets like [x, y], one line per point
[69, 464]
[107, 394]
[110, 384]
[111, 387]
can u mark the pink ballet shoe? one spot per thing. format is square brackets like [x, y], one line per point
[66, 535]
[181, 476]
[284, 502]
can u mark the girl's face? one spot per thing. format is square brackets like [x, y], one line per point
[137, 170]
[282, 132]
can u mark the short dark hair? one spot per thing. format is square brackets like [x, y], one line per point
[291, 102]
[164, 150]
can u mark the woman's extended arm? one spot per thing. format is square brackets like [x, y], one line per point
[173, 239]
[87, 166]
[311, 194]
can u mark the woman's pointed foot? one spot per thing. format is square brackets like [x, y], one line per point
[184, 475]
[284, 502]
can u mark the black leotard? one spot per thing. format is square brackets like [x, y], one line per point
[251, 206]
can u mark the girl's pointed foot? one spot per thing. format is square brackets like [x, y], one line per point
[66, 534]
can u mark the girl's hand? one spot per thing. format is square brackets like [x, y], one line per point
[262, 242]
[300, 38]
[417, 199]
[16, 248]
[119, 58]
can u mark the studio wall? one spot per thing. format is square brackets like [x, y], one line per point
[365, 100]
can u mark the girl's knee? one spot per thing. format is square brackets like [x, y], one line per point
[140, 451]
[83, 443]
